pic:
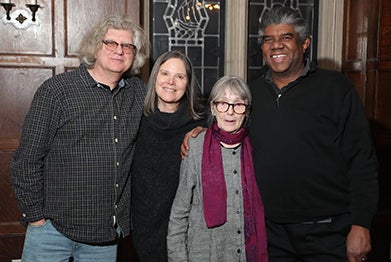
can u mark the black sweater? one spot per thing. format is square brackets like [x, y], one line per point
[313, 153]
[155, 177]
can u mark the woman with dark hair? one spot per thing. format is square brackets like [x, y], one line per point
[171, 109]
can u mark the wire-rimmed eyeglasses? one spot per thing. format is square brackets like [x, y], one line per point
[238, 108]
[126, 47]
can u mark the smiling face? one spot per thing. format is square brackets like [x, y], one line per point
[171, 84]
[114, 63]
[229, 121]
[283, 52]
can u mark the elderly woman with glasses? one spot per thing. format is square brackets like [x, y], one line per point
[217, 213]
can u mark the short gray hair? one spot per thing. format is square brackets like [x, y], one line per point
[237, 86]
[283, 15]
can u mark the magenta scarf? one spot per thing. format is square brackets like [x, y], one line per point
[214, 190]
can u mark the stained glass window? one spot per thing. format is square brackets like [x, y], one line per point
[195, 27]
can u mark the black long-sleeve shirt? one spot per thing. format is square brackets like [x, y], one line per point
[313, 152]
[75, 153]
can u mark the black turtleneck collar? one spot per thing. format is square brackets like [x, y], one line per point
[168, 121]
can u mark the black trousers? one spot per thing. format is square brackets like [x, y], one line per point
[312, 241]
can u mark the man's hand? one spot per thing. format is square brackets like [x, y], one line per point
[358, 243]
[37, 223]
[185, 143]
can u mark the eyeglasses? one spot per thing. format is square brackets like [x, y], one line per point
[222, 107]
[126, 47]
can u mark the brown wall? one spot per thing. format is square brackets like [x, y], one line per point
[367, 62]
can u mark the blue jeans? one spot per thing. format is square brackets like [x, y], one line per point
[45, 244]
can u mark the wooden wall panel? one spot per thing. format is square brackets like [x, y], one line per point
[8, 207]
[385, 32]
[383, 95]
[34, 40]
[355, 34]
[383, 98]
[15, 96]
[11, 246]
[367, 62]
[11, 231]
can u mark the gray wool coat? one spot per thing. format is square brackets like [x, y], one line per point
[188, 237]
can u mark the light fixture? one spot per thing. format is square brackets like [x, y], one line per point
[212, 6]
[21, 18]
[8, 6]
[34, 8]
